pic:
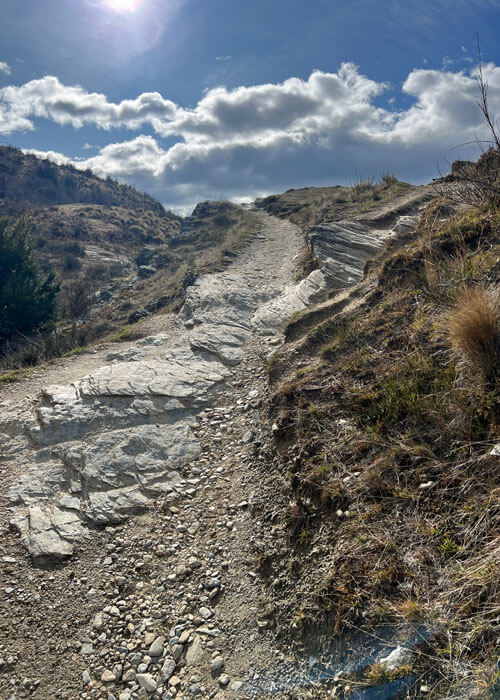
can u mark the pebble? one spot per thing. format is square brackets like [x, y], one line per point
[108, 676]
[167, 669]
[156, 648]
[147, 682]
[224, 680]
[217, 664]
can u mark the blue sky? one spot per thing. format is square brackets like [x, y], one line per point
[197, 99]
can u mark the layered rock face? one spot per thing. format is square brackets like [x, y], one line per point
[344, 246]
[106, 446]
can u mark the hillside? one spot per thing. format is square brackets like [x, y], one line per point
[117, 254]
[385, 410]
[27, 181]
[315, 205]
[286, 490]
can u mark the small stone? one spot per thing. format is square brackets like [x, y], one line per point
[195, 652]
[86, 677]
[247, 437]
[149, 638]
[167, 669]
[87, 648]
[205, 613]
[217, 665]
[177, 650]
[400, 656]
[213, 583]
[98, 621]
[147, 682]
[108, 676]
[129, 676]
[156, 648]
[224, 680]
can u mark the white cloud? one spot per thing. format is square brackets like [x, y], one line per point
[5, 68]
[267, 137]
[48, 98]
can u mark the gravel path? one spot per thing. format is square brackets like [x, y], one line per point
[168, 603]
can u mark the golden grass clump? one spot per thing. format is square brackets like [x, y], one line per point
[474, 329]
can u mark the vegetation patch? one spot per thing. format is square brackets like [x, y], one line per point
[387, 442]
[315, 205]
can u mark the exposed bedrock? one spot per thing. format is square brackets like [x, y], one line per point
[106, 446]
[344, 246]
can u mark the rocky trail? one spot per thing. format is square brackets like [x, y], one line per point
[138, 492]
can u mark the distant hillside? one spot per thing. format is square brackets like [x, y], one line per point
[26, 180]
[117, 254]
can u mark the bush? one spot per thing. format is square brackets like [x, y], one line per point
[27, 299]
[389, 179]
[77, 298]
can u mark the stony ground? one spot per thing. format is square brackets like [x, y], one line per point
[168, 603]
[101, 601]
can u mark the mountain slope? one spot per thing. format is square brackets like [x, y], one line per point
[26, 180]
[117, 253]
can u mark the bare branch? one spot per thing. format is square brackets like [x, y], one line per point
[483, 103]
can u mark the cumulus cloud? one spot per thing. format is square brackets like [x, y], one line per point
[262, 138]
[49, 98]
[5, 68]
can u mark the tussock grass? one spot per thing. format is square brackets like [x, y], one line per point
[474, 326]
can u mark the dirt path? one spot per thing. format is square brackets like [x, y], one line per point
[167, 604]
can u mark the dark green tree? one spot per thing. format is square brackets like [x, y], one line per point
[27, 298]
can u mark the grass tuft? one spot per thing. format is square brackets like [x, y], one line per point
[474, 330]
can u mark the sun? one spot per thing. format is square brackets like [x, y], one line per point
[123, 5]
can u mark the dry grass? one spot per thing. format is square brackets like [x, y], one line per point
[214, 234]
[474, 330]
[386, 441]
[315, 205]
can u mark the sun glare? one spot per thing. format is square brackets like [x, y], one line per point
[123, 5]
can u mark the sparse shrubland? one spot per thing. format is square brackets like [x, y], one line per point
[117, 255]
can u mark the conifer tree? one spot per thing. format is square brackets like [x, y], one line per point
[27, 298]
